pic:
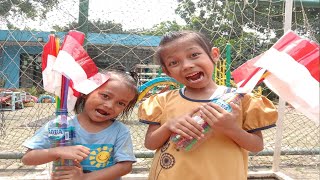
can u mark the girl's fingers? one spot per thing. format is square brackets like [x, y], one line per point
[191, 130]
[182, 133]
[208, 116]
[60, 174]
[235, 107]
[86, 150]
[79, 157]
[195, 127]
[195, 124]
[83, 155]
[217, 109]
[77, 163]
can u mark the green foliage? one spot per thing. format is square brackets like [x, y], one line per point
[222, 22]
[30, 8]
[97, 26]
[164, 27]
[34, 91]
[229, 21]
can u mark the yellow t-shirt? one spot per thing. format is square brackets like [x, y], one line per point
[218, 157]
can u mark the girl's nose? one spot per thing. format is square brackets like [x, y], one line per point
[187, 64]
[107, 104]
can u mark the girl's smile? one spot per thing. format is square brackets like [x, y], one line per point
[188, 63]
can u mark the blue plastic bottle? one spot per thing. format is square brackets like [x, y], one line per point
[190, 144]
[61, 133]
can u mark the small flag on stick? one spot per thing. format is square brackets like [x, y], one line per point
[292, 64]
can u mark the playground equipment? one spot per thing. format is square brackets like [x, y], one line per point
[46, 99]
[146, 87]
[10, 100]
[154, 81]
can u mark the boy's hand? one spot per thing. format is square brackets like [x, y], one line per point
[186, 126]
[220, 119]
[68, 172]
[78, 152]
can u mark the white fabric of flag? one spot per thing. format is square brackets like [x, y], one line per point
[291, 81]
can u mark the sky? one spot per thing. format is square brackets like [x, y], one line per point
[132, 14]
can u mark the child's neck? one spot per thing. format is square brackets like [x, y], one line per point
[200, 93]
[92, 126]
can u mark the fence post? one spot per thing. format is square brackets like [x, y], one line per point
[83, 23]
[228, 57]
[282, 103]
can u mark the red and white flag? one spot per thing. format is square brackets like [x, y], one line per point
[292, 82]
[73, 62]
[292, 64]
[51, 79]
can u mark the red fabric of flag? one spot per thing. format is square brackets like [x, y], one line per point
[302, 50]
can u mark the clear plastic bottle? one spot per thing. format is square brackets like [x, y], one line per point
[61, 133]
[185, 144]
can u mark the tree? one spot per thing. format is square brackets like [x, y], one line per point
[163, 27]
[97, 26]
[229, 21]
[21, 8]
[219, 21]
[28, 8]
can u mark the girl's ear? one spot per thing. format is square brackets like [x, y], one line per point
[215, 52]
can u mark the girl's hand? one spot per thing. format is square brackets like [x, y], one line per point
[220, 119]
[78, 152]
[68, 172]
[186, 126]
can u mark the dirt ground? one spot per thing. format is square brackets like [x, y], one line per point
[300, 145]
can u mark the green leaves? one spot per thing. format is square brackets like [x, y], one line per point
[29, 9]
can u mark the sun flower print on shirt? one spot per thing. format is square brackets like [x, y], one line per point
[100, 157]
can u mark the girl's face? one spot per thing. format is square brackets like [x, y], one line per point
[108, 101]
[187, 62]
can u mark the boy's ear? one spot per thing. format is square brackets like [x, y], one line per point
[215, 52]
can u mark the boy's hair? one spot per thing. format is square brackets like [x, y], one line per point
[198, 37]
[131, 81]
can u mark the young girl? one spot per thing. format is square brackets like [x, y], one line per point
[104, 145]
[188, 57]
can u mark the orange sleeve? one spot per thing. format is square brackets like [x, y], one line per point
[258, 113]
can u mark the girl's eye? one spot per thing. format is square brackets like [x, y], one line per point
[195, 54]
[122, 104]
[105, 96]
[172, 63]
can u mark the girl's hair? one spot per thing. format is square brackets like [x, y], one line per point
[198, 37]
[129, 78]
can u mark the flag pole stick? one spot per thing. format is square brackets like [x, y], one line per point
[57, 41]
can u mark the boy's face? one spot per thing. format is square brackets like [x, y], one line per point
[187, 62]
[108, 101]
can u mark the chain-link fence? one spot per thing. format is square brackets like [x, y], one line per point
[125, 37]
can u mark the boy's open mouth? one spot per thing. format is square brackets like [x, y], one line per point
[195, 76]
